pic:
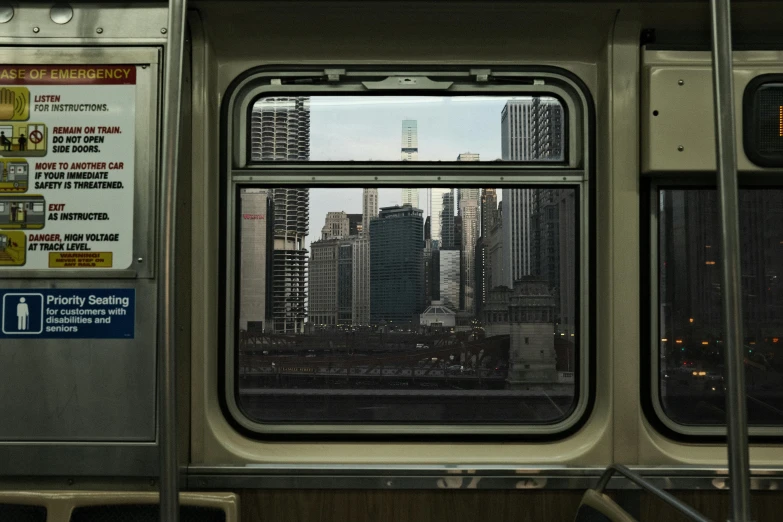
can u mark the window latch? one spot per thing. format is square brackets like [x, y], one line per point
[482, 75]
[333, 75]
[408, 82]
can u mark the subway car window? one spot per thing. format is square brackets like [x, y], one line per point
[377, 304]
[407, 304]
[692, 373]
[407, 128]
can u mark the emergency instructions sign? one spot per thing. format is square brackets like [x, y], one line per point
[67, 143]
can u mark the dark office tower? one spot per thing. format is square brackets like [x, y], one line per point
[457, 232]
[280, 129]
[345, 281]
[396, 265]
[427, 229]
[568, 254]
[545, 250]
[489, 210]
[489, 215]
[354, 224]
[479, 273]
[447, 220]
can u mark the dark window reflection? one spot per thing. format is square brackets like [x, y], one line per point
[691, 343]
[443, 305]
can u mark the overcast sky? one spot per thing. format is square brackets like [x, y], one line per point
[370, 128]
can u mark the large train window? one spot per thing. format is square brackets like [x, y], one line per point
[407, 263]
[688, 365]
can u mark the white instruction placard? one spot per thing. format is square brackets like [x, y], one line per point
[67, 144]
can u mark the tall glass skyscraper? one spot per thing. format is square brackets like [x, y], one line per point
[396, 265]
[438, 213]
[410, 141]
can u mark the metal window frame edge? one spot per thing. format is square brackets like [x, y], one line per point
[240, 173]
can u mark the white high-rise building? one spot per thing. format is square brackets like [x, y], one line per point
[410, 196]
[280, 129]
[369, 207]
[532, 129]
[256, 254]
[517, 234]
[409, 151]
[410, 141]
[436, 217]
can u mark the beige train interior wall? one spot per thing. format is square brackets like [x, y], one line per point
[597, 41]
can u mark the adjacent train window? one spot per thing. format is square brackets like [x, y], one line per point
[689, 341]
[412, 264]
[408, 128]
[400, 305]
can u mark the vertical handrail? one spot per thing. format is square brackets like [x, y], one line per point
[726, 151]
[169, 465]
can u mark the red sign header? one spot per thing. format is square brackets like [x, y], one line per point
[67, 74]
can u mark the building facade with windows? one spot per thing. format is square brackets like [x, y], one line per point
[396, 265]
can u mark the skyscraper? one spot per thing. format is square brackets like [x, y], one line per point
[439, 214]
[323, 291]
[289, 259]
[396, 264]
[280, 129]
[361, 259]
[449, 277]
[337, 225]
[410, 141]
[409, 151]
[447, 221]
[531, 130]
[464, 194]
[489, 215]
[469, 210]
[345, 282]
[410, 196]
[369, 207]
[255, 259]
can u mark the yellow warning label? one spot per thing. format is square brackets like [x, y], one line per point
[14, 103]
[12, 248]
[80, 259]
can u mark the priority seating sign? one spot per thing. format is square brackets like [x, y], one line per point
[68, 314]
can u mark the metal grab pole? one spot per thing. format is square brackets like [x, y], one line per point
[726, 150]
[169, 466]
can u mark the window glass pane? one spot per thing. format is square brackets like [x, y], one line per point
[407, 128]
[691, 343]
[437, 305]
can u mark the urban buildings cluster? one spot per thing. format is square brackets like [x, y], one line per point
[474, 261]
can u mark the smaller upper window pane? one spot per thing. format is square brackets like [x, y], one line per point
[408, 128]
